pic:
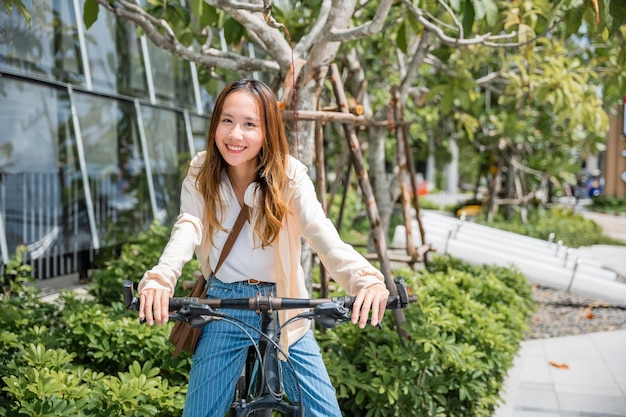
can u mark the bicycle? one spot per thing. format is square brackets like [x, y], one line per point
[259, 390]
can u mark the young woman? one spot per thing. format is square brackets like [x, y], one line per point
[247, 162]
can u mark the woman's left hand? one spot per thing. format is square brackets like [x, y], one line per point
[372, 298]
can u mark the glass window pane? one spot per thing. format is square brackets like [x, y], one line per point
[50, 48]
[115, 57]
[115, 167]
[199, 126]
[41, 192]
[167, 149]
[172, 79]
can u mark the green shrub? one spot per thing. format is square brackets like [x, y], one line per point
[54, 357]
[136, 257]
[607, 204]
[573, 229]
[464, 332]
[78, 357]
[45, 383]
[15, 271]
[109, 339]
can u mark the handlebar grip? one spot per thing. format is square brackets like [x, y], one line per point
[393, 302]
[403, 293]
[128, 294]
[177, 303]
[131, 302]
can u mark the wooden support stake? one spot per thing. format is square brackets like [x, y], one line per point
[378, 236]
[320, 178]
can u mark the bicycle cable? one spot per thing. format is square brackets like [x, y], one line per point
[239, 324]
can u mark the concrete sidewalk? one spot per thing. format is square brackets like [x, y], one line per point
[573, 376]
[568, 376]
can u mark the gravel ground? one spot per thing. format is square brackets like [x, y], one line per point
[560, 313]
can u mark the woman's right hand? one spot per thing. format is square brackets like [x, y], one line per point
[154, 306]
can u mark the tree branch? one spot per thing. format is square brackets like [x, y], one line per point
[209, 57]
[487, 39]
[445, 39]
[256, 18]
[363, 31]
[314, 34]
[417, 59]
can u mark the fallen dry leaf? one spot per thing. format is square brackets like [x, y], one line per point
[559, 365]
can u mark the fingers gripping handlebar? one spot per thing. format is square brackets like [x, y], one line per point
[328, 314]
[326, 311]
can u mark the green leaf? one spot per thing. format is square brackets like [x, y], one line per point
[468, 18]
[491, 12]
[479, 9]
[573, 19]
[90, 12]
[447, 101]
[435, 92]
[233, 31]
[402, 38]
[207, 15]
[20, 6]
[617, 13]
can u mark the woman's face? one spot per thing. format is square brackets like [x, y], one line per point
[239, 133]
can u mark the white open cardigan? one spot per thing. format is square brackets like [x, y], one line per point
[305, 219]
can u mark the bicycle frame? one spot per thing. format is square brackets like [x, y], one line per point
[268, 394]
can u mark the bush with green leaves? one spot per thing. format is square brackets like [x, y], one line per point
[15, 272]
[76, 357]
[572, 228]
[136, 257]
[463, 334]
[46, 383]
[607, 204]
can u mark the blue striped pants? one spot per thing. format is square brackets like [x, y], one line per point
[221, 353]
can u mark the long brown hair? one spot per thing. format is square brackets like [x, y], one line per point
[271, 165]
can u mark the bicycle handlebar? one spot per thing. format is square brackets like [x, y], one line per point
[326, 311]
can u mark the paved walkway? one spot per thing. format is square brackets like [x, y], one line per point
[582, 376]
[574, 376]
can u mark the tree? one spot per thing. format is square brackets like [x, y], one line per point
[476, 71]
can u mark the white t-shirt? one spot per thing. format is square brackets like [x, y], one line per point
[245, 259]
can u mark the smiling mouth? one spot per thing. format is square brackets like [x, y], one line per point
[235, 148]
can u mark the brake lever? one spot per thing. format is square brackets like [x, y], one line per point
[190, 312]
[330, 314]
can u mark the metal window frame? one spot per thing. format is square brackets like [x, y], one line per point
[95, 239]
[4, 248]
[78, 12]
[189, 133]
[146, 158]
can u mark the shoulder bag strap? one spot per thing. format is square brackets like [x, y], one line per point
[232, 236]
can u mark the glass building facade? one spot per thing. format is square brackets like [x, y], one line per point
[95, 126]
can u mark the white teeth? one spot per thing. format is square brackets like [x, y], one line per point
[235, 148]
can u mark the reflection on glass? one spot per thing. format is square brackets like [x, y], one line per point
[115, 57]
[115, 168]
[50, 48]
[168, 151]
[199, 126]
[44, 201]
[172, 79]
[42, 197]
